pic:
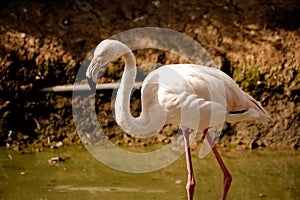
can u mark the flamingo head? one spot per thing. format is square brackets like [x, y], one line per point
[105, 52]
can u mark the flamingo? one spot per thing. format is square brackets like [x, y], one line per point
[196, 97]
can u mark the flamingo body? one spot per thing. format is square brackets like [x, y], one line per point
[177, 82]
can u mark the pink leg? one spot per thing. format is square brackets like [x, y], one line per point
[227, 176]
[191, 179]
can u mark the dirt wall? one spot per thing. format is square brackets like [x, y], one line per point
[42, 44]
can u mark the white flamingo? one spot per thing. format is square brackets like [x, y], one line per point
[177, 94]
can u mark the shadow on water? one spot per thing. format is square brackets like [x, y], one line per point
[260, 174]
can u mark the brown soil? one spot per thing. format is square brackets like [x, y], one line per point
[42, 43]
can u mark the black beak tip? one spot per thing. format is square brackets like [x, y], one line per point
[92, 84]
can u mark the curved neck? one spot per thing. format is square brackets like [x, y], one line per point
[122, 104]
[152, 117]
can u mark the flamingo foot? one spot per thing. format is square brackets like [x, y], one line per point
[227, 183]
[190, 187]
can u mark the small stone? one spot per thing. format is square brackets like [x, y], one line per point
[167, 141]
[23, 35]
[178, 181]
[57, 145]
[66, 22]
[23, 173]
[252, 26]
[161, 137]
[261, 195]
[31, 42]
[55, 159]
[156, 3]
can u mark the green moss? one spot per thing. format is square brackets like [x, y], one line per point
[251, 79]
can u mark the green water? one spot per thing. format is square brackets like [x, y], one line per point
[260, 174]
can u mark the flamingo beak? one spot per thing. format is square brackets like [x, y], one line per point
[92, 84]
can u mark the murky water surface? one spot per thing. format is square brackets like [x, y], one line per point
[259, 174]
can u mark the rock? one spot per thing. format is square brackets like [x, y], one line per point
[167, 141]
[23, 173]
[160, 137]
[23, 35]
[178, 181]
[55, 159]
[262, 195]
[57, 145]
